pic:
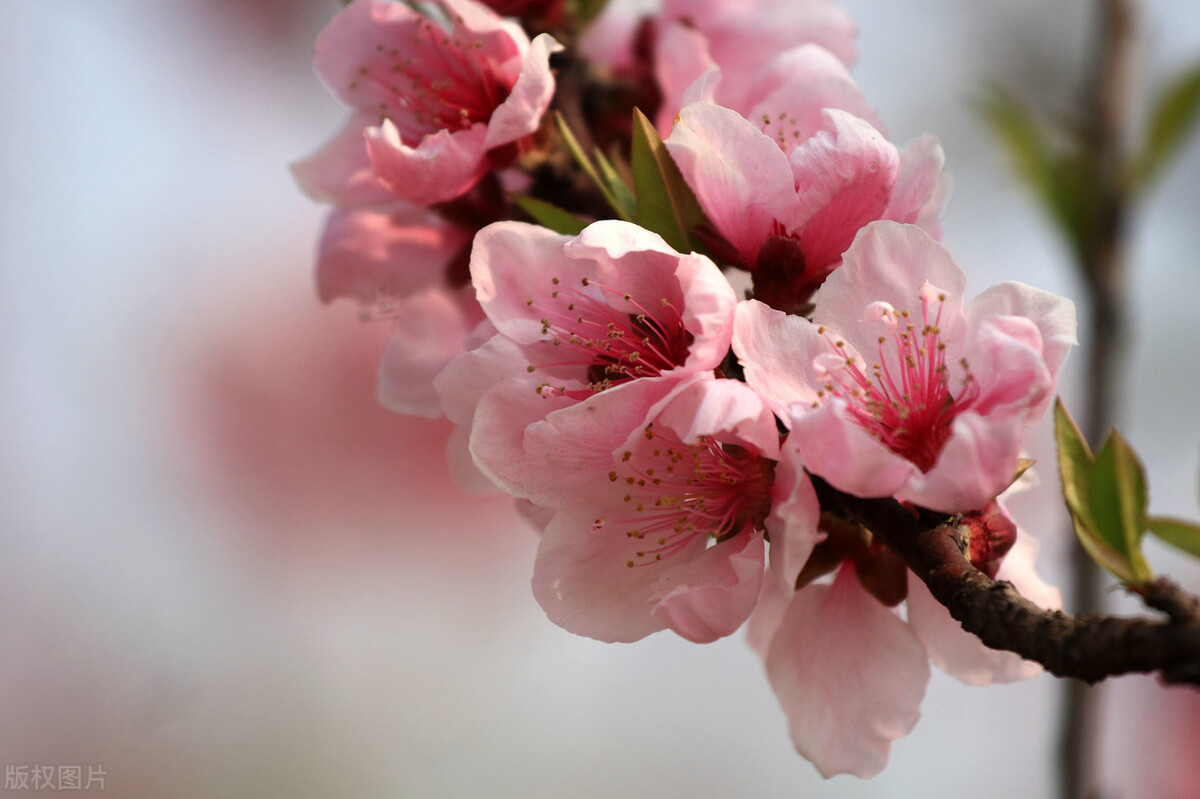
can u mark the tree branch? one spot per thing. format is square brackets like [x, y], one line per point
[1086, 647]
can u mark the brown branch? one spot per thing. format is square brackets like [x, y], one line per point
[1086, 647]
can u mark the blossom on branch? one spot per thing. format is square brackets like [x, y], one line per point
[788, 186]
[442, 96]
[576, 316]
[893, 389]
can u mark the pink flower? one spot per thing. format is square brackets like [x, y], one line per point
[893, 389]
[579, 316]
[442, 97]
[787, 188]
[662, 493]
[397, 261]
[739, 40]
[377, 255]
[850, 673]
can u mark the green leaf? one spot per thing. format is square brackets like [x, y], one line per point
[1104, 542]
[1074, 460]
[1117, 496]
[549, 215]
[665, 203]
[616, 184]
[623, 210]
[1057, 172]
[1176, 532]
[1172, 119]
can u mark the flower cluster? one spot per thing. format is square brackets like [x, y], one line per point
[669, 439]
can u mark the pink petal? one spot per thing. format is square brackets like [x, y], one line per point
[740, 177]
[1054, 318]
[725, 409]
[719, 591]
[498, 439]
[503, 290]
[428, 334]
[463, 470]
[795, 514]
[443, 166]
[583, 581]
[775, 350]
[922, 181]
[372, 256]
[835, 447]
[956, 652]
[556, 451]
[849, 674]
[340, 173]
[680, 58]
[767, 616]
[521, 112]
[976, 463]
[845, 178]
[347, 46]
[743, 37]
[500, 39]
[709, 303]
[794, 89]
[889, 262]
[464, 381]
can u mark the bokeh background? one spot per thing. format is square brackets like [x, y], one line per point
[225, 572]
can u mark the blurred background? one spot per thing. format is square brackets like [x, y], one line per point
[225, 572]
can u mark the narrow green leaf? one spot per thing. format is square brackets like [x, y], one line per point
[1074, 460]
[616, 184]
[1075, 467]
[589, 169]
[665, 203]
[1117, 497]
[549, 215]
[1176, 532]
[1172, 119]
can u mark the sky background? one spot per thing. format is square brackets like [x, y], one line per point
[225, 572]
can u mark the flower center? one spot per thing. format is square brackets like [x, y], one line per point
[611, 344]
[905, 400]
[679, 492]
[441, 79]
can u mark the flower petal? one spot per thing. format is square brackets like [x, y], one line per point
[889, 262]
[849, 674]
[797, 86]
[921, 186]
[719, 591]
[521, 112]
[792, 524]
[740, 177]
[375, 255]
[835, 447]
[774, 350]
[583, 580]
[1044, 353]
[845, 176]
[428, 334]
[680, 59]
[976, 463]
[443, 166]
[340, 173]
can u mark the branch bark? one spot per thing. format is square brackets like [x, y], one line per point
[1087, 647]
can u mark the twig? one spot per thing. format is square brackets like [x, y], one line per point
[1087, 647]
